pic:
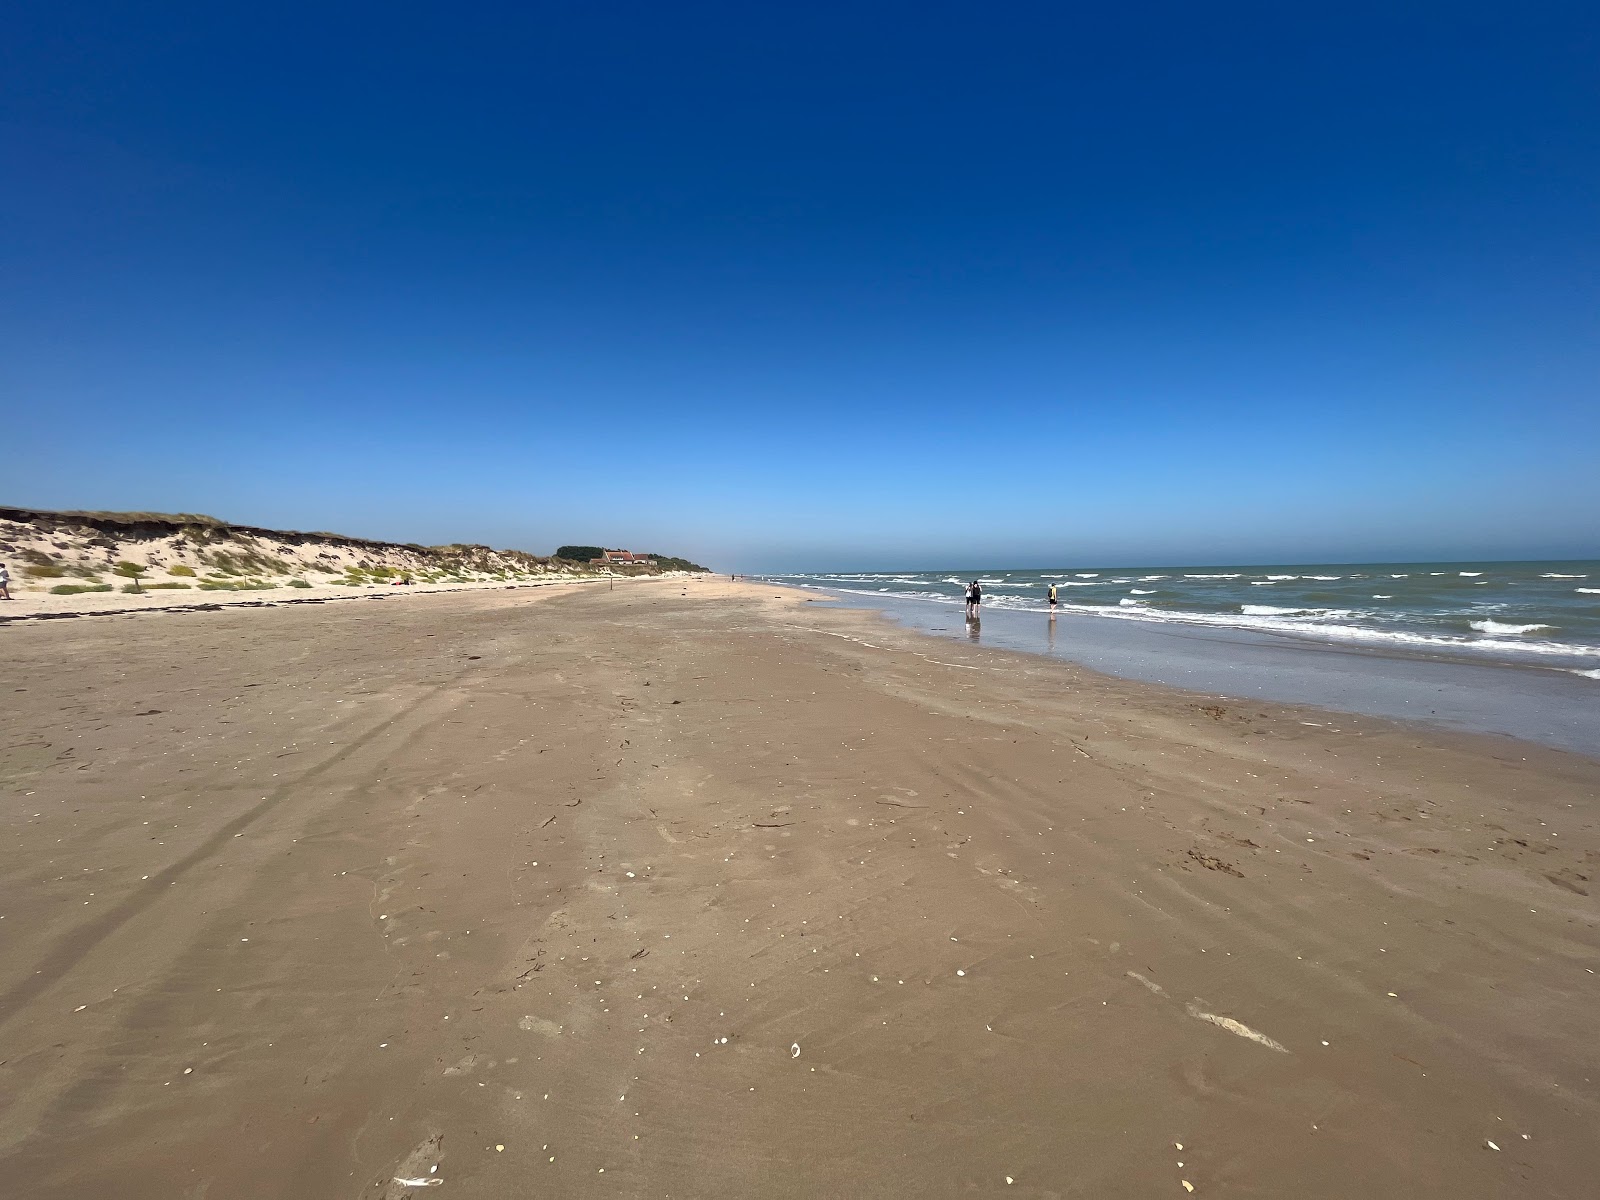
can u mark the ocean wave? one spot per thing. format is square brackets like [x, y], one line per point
[1261, 583]
[1399, 577]
[1469, 574]
[1493, 626]
[1327, 627]
[1142, 591]
[1240, 576]
[1281, 578]
[1346, 633]
[1585, 674]
[1383, 597]
[1558, 575]
[1324, 578]
[1271, 610]
[1153, 578]
[1090, 575]
[1588, 591]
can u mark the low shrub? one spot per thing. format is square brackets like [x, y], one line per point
[155, 587]
[298, 583]
[235, 585]
[45, 572]
[181, 569]
[73, 589]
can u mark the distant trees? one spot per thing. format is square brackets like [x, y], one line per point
[667, 563]
[579, 553]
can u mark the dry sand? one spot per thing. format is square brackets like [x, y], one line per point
[696, 889]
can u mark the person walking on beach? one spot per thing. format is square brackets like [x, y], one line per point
[974, 598]
[1052, 600]
[5, 583]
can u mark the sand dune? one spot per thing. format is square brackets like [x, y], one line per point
[63, 561]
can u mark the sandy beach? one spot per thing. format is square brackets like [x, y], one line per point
[695, 888]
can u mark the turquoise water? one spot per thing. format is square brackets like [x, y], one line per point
[1544, 613]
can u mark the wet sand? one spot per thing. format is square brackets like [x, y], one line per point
[306, 901]
[1553, 706]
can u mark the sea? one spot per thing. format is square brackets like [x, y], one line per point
[1543, 614]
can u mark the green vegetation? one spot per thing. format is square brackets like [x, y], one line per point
[235, 585]
[163, 587]
[180, 569]
[580, 554]
[73, 589]
[668, 563]
[44, 571]
[129, 570]
[298, 583]
[245, 562]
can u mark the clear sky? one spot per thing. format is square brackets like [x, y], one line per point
[813, 285]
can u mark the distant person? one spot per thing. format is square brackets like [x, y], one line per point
[974, 598]
[5, 583]
[1052, 599]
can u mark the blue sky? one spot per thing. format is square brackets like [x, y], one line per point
[833, 285]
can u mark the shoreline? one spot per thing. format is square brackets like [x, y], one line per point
[1543, 705]
[598, 893]
[36, 606]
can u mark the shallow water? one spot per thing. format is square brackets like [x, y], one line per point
[1545, 613]
[1538, 702]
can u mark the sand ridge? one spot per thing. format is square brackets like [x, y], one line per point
[695, 888]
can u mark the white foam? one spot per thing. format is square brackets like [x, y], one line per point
[1492, 626]
[1558, 575]
[1281, 578]
[1090, 575]
[1383, 597]
[1324, 578]
[1141, 591]
[1399, 577]
[1327, 628]
[1586, 674]
[1268, 610]
[1588, 591]
[1469, 574]
[1261, 583]
[1153, 578]
[1213, 576]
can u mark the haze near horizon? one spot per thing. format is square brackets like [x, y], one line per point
[871, 286]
